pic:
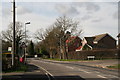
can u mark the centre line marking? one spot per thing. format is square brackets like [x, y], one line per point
[101, 76]
[97, 72]
[69, 67]
[86, 72]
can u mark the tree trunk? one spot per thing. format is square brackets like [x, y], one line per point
[51, 54]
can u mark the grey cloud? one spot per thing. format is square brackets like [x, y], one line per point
[89, 6]
[115, 15]
[66, 9]
[97, 20]
[6, 11]
[92, 7]
[22, 10]
[72, 8]
[86, 17]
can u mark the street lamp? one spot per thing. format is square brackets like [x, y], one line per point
[25, 39]
[25, 29]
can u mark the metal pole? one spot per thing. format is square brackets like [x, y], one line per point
[13, 57]
[25, 43]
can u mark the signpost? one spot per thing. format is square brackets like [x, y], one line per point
[9, 48]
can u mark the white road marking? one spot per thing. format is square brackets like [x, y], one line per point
[113, 76]
[69, 67]
[101, 76]
[84, 71]
[81, 70]
[52, 63]
[47, 72]
[97, 72]
[48, 76]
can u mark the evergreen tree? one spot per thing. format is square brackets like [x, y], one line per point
[31, 48]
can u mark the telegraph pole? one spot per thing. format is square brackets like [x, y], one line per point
[14, 41]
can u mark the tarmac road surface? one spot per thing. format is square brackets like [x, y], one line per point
[40, 69]
[74, 70]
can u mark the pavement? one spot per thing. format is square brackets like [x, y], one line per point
[33, 73]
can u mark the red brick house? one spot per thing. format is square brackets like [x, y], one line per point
[72, 43]
[102, 41]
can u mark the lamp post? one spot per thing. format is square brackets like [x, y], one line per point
[25, 40]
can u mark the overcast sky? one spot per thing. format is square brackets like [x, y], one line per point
[95, 16]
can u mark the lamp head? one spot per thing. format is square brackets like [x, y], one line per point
[27, 23]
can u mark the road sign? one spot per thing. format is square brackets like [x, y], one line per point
[35, 56]
[9, 48]
[91, 57]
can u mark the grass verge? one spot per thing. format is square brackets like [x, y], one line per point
[20, 68]
[117, 66]
[78, 60]
[68, 60]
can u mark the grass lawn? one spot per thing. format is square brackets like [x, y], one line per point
[64, 59]
[117, 66]
[20, 68]
[68, 60]
[79, 59]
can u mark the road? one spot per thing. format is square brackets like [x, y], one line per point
[42, 69]
[59, 70]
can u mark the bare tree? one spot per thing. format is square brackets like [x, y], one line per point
[20, 34]
[66, 24]
[55, 37]
[40, 34]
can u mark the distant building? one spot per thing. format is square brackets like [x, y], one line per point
[72, 43]
[102, 41]
[118, 40]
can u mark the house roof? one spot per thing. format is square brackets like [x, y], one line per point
[118, 35]
[99, 37]
[79, 48]
[89, 38]
[96, 38]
